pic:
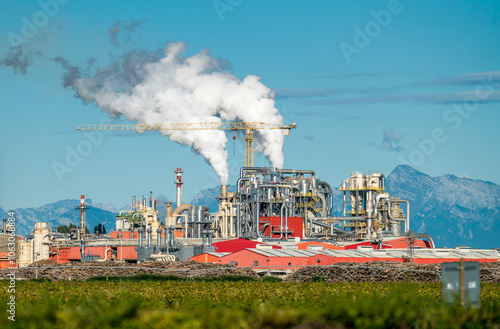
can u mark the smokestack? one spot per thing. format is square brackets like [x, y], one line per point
[169, 213]
[82, 216]
[133, 203]
[223, 191]
[151, 199]
[82, 209]
[178, 181]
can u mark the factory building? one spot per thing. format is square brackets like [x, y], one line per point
[276, 259]
[276, 218]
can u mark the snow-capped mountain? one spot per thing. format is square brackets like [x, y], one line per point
[455, 211]
[207, 198]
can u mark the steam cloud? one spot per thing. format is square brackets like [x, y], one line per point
[19, 58]
[115, 31]
[151, 88]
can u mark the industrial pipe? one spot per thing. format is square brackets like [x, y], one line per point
[241, 179]
[171, 236]
[140, 231]
[82, 250]
[426, 236]
[295, 171]
[158, 237]
[316, 221]
[203, 237]
[181, 208]
[407, 219]
[330, 193]
[210, 238]
[407, 224]
[149, 234]
[258, 169]
[257, 218]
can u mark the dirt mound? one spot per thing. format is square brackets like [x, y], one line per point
[341, 272]
[44, 263]
[384, 272]
[83, 271]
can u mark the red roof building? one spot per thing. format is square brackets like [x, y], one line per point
[276, 258]
[305, 245]
[236, 245]
[209, 257]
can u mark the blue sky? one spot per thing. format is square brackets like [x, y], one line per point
[370, 86]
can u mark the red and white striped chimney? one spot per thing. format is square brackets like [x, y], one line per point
[82, 216]
[178, 181]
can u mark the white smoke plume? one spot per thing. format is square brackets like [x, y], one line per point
[171, 88]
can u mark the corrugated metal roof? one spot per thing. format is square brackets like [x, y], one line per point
[418, 253]
[218, 254]
[285, 252]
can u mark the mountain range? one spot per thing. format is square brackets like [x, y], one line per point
[59, 213]
[454, 211]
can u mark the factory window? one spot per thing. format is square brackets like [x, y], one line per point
[255, 263]
[231, 262]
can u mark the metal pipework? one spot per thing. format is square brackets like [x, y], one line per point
[242, 179]
[330, 193]
[165, 238]
[158, 237]
[140, 231]
[82, 250]
[149, 231]
[406, 220]
[171, 236]
[332, 228]
[426, 236]
[258, 169]
[407, 223]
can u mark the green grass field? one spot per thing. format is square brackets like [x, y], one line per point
[152, 303]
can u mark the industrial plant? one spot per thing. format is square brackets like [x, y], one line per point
[276, 218]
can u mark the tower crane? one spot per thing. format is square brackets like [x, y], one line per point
[249, 127]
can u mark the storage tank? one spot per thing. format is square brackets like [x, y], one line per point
[40, 242]
[304, 187]
[24, 254]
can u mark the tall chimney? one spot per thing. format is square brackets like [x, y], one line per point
[169, 213]
[223, 191]
[178, 181]
[82, 209]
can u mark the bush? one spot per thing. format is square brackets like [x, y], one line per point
[269, 278]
